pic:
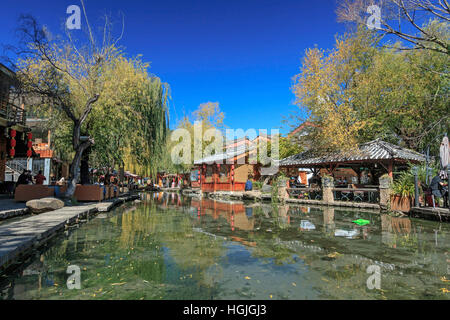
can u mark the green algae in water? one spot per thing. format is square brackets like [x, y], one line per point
[169, 247]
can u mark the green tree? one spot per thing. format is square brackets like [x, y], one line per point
[129, 120]
[324, 89]
[404, 97]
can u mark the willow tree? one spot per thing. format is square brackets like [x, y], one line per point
[147, 139]
[130, 124]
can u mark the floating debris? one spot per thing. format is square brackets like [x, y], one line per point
[361, 222]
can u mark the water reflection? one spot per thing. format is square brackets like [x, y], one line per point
[172, 247]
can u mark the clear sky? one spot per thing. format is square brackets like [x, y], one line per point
[240, 53]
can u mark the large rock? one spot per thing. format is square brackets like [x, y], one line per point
[44, 205]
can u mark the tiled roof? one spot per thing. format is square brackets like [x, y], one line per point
[373, 150]
[229, 154]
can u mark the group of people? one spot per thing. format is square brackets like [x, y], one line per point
[27, 178]
[167, 182]
[341, 181]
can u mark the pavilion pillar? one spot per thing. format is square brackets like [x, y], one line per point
[358, 173]
[327, 189]
[215, 176]
[391, 169]
[232, 177]
[385, 192]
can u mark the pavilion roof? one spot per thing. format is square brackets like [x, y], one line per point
[370, 151]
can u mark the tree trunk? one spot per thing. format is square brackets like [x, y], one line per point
[74, 173]
[77, 145]
[84, 168]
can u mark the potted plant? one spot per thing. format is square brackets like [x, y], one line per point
[403, 192]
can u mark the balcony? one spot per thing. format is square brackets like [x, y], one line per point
[12, 114]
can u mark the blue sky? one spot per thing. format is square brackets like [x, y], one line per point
[240, 53]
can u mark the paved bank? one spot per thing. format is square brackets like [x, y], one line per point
[10, 209]
[18, 238]
[437, 214]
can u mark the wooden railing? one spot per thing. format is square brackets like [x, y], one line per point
[370, 195]
[305, 193]
[13, 114]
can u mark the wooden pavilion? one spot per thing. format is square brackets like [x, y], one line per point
[377, 157]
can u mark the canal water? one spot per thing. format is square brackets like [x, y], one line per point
[173, 247]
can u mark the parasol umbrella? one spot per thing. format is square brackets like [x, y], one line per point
[444, 155]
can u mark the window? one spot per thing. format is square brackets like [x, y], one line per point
[209, 174]
[223, 173]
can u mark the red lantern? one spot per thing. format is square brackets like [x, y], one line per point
[29, 135]
[13, 133]
[12, 153]
[29, 153]
[29, 144]
[13, 143]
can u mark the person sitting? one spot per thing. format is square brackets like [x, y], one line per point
[40, 178]
[248, 185]
[437, 187]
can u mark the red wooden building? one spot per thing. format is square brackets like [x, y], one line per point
[227, 171]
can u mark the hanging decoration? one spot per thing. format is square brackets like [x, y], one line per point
[13, 142]
[29, 144]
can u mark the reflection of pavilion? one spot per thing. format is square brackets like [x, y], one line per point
[236, 213]
[393, 226]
